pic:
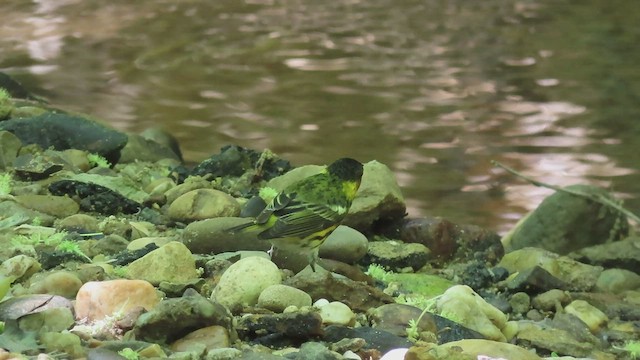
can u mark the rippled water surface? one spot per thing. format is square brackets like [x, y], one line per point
[435, 89]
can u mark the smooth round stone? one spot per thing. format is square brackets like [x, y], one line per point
[345, 244]
[278, 297]
[242, 283]
[63, 283]
[337, 313]
[209, 338]
[172, 263]
[203, 204]
[79, 222]
[98, 299]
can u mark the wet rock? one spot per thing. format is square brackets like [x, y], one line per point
[140, 149]
[211, 237]
[98, 299]
[424, 285]
[174, 318]
[62, 131]
[623, 254]
[576, 275]
[59, 206]
[242, 283]
[488, 349]
[476, 243]
[321, 284]
[55, 319]
[278, 297]
[551, 300]
[335, 313]
[107, 195]
[375, 339]
[427, 351]
[551, 340]
[462, 305]
[143, 242]
[535, 280]
[62, 342]
[19, 267]
[520, 302]
[379, 198]
[172, 262]
[15, 88]
[9, 147]
[80, 223]
[617, 280]
[203, 340]
[63, 283]
[437, 234]
[563, 223]
[623, 306]
[164, 138]
[344, 244]
[36, 166]
[280, 330]
[590, 315]
[203, 204]
[315, 351]
[395, 318]
[477, 276]
[396, 255]
[292, 176]
[108, 245]
[190, 184]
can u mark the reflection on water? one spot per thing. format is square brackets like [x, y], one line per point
[435, 89]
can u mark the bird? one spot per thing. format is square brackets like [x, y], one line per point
[306, 212]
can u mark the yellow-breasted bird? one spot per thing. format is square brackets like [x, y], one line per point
[306, 212]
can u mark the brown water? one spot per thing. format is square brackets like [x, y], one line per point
[435, 89]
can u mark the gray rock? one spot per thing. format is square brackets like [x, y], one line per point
[623, 254]
[59, 206]
[396, 255]
[617, 281]
[344, 244]
[520, 302]
[55, 319]
[139, 148]
[551, 300]
[203, 204]
[564, 222]
[316, 351]
[379, 198]
[278, 297]
[551, 339]
[172, 263]
[210, 236]
[9, 147]
[79, 223]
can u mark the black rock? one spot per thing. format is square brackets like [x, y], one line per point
[62, 131]
[278, 330]
[95, 197]
[14, 88]
[380, 340]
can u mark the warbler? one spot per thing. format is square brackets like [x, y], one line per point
[303, 215]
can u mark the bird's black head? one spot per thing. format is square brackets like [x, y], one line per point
[346, 169]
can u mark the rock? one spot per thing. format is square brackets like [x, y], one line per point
[143, 242]
[62, 131]
[279, 330]
[344, 244]
[617, 280]
[191, 183]
[462, 305]
[174, 318]
[487, 349]
[336, 313]
[379, 198]
[19, 267]
[278, 297]
[55, 319]
[9, 147]
[396, 255]
[576, 275]
[623, 306]
[63, 283]
[59, 206]
[203, 204]
[96, 300]
[520, 302]
[315, 351]
[535, 280]
[552, 340]
[207, 338]
[107, 195]
[81, 223]
[39, 166]
[108, 245]
[242, 283]
[623, 254]
[14, 214]
[62, 342]
[15, 88]
[164, 138]
[551, 300]
[563, 223]
[590, 315]
[172, 262]
[211, 237]
[394, 318]
[374, 338]
[417, 285]
[140, 149]
[235, 161]
[321, 284]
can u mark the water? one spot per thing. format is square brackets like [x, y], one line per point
[435, 89]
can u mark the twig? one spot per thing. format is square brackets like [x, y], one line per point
[594, 197]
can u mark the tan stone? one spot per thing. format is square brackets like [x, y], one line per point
[211, 337]
[98, 299]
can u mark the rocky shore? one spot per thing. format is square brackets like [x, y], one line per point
[113, 248]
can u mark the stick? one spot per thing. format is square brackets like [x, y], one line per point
[594, 197]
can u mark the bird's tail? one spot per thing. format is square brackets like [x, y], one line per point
[243, 228]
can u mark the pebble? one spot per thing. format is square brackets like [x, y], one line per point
[172, 263]
[63, 283]
[278, 297]
[241, 284]
[345, 244]
[337, 313]
[207, 338]
[203, 204]
[98, 299]
[589, 314]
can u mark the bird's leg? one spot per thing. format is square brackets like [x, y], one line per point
[270, 252]
[313, 259]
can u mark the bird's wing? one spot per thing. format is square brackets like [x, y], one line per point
[278, 203]
[300, 219]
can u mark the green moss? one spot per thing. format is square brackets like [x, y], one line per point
[5, 184]
[129, 354]
[632, 347]
[72, 247]
[38, 238]
[96, 160]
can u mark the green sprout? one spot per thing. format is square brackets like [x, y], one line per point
[377, 272]
[96, 160]
[4, 94]
[5, 183]
[72, 247]
[37, 238]
[267, 194]
[129, 354]
[632, 347]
